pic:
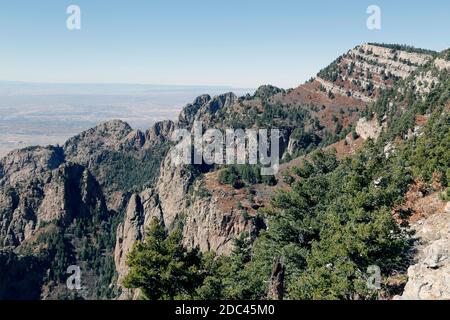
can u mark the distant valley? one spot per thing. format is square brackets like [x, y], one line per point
[43, 114]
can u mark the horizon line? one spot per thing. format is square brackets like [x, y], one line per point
[124, 84]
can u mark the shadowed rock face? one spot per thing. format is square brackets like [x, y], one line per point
[35, 193]
[28, 274]
[48, 190]
[27, 174]
[128, 232]
[40, 220]
[119, 157]
[38, 179]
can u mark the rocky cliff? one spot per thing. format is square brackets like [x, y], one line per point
[429, 276]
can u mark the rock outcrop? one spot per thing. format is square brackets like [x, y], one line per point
[175, 201]
[429, 278]
[366, 69]
[39, 188]
[187, 115]
[113, 146]
[128, 232]
[267, 91]
[442, 64]
[210, 227]
[276, 285]
[30, 163]
[368, 129]
[67, 192]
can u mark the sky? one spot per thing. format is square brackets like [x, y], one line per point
[239, 43]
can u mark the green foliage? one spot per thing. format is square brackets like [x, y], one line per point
[331, 95]
[401, 121]
[337, 220]
[21, 276]
[130, 173]
[239, 176]
[60, 254]
[287, 178]
[429, 154]
[334, 223]
[445, 55]
[445, 196]
[304, 139]
[234, 277]
[88, 241]
[162, 268]
[273, 115]
[332, 72]
[230, 176]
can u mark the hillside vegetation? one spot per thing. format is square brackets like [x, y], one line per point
[338, 219]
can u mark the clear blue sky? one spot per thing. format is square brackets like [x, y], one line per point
[242, 43]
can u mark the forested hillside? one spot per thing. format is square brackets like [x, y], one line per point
[338, 219]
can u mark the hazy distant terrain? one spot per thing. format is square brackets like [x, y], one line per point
[42, 114]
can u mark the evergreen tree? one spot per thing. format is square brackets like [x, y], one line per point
[161, 267]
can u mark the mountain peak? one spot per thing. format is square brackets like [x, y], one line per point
[106, 133]
[187, 114]
[266, 91]
[368, 68]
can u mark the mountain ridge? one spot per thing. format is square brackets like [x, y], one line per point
[125, 177]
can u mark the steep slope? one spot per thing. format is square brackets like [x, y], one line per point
[61, 205]
[27, 174]
[47, 208]
[119, 157]
[429, 277]
[308, 116]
